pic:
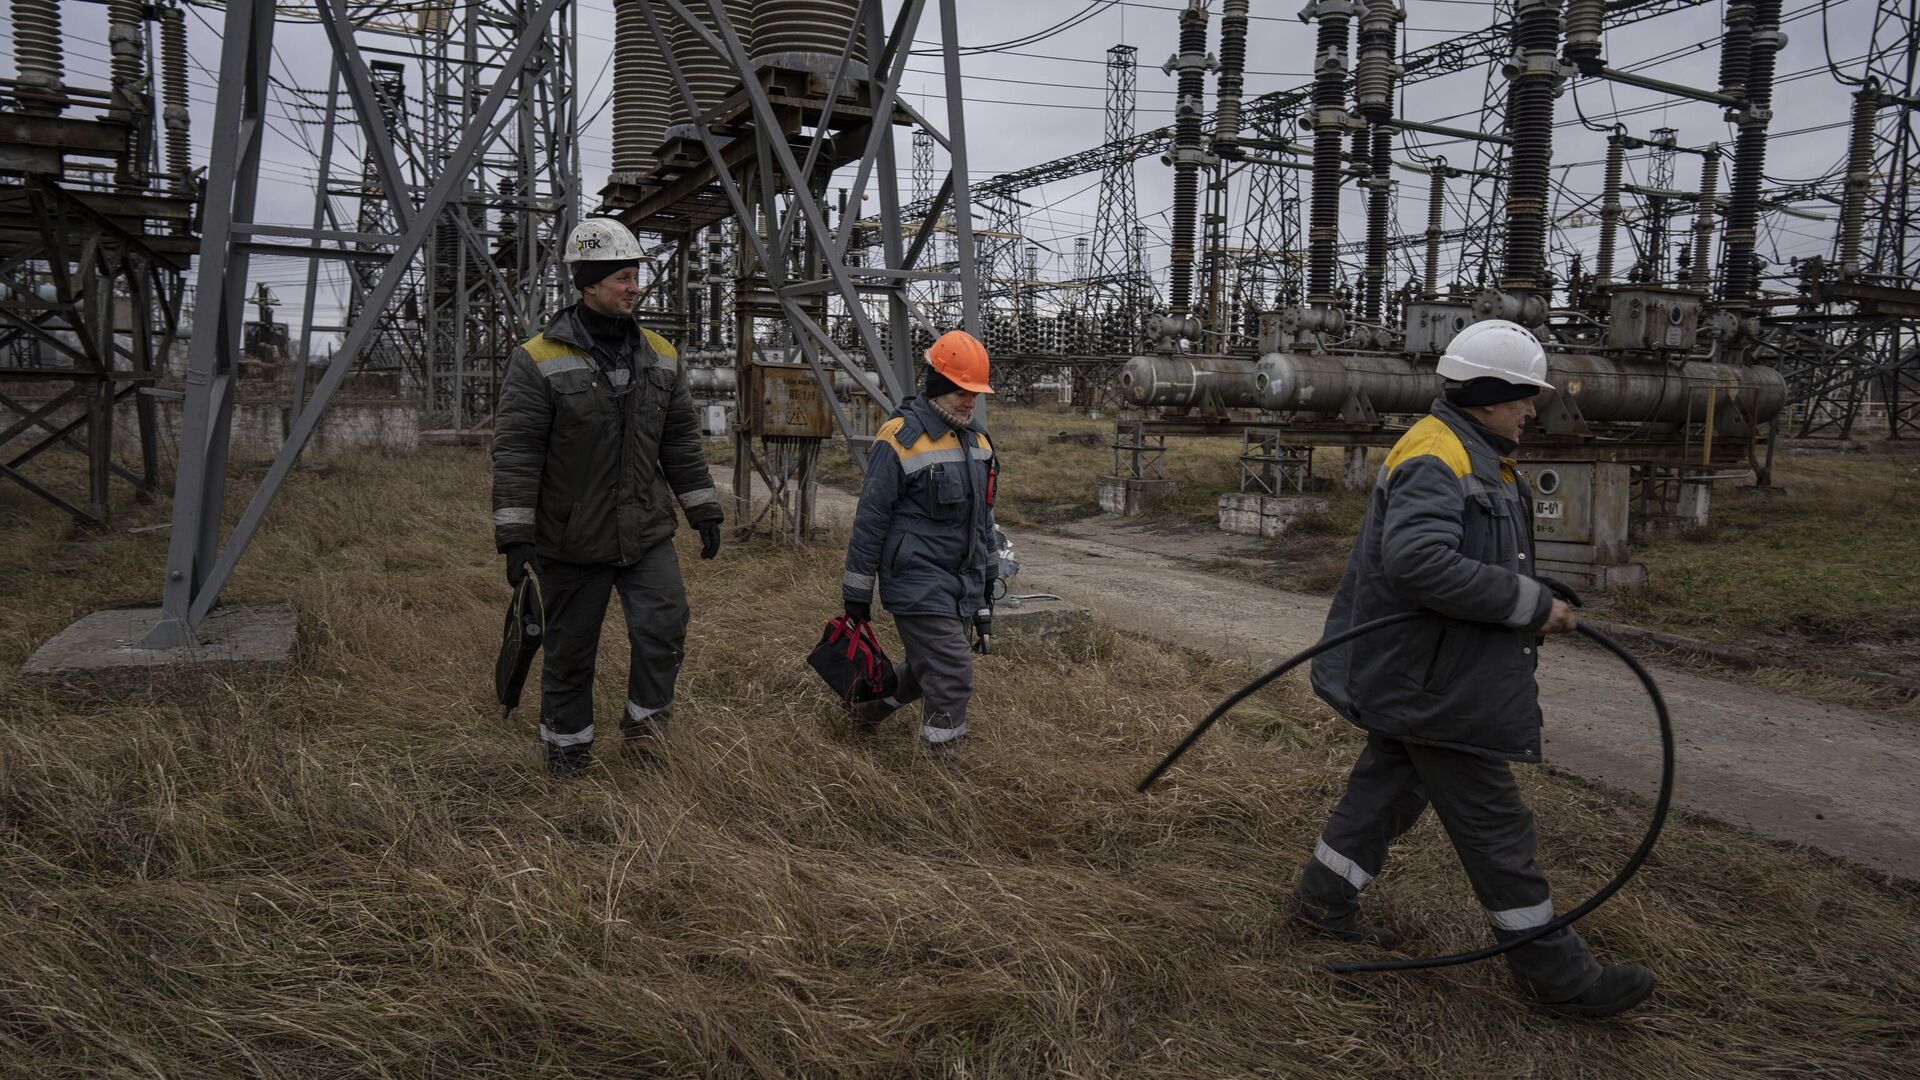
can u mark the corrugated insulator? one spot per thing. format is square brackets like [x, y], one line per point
[1736, 47]
[1329, 101]
[1750, 150]
[1701, 276]
[1530, 99]
[39, 64]
[1233, 63]
[642, 92]
[1585, 21]
[1375, 70]
[1186, 169]
[1436, 209]
[807, 34]
[173, 91]
[1379, 195]
[709, 75]
[1610, 209]
[124, 38]
[1853, 205]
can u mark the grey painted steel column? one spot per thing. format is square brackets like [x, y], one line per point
[233, 178]
[320, 215]
[957, 149]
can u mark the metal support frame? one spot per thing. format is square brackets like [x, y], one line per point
[491, 270]
[198, 564]
[1138, 454]
[770, 175]
[91, 285]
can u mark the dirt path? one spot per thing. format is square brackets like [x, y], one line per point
[1840, 780]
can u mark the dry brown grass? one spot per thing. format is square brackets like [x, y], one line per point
[357, 869]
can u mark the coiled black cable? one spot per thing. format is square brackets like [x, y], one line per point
[1662, 802]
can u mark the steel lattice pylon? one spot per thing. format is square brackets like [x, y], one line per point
[1267, 273]
[199, 562]
[1118, 265]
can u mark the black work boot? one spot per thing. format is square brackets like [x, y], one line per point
[1620, 987]
[568, 762]
[653, 727]
[1314, 918]
[870, 713]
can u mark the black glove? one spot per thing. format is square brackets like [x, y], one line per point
[518, 557]
[709, 539]
[1561, 591]
[860, 610]
[983, 631]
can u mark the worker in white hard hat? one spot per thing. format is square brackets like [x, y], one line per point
[1448, 701]
[595, 442]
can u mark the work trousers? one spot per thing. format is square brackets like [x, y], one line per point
[937, 672]
[654, 601]
[1492, 831]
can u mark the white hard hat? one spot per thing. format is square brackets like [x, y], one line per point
[1496, 349]
[602, 239]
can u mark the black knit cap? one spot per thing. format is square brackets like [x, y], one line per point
[938, 384]
[587, 273]
[1488, 390]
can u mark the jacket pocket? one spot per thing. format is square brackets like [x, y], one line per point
[1444, 665]
[656, 388]
[893, 557]
[948, 491]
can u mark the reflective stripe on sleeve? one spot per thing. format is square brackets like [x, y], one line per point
[1341, 865]
[1523, 918]
[513, 515]
[856, 583]
[705, 496]
[1522, 613]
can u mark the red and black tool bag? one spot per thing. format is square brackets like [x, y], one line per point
[850, 659]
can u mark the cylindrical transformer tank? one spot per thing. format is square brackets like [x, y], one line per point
[708, 381]
[807, 34]
[642, 91]
[1300, 382]
[708, 75]
[1601, 388]
[1187, 380]
[1655, 391]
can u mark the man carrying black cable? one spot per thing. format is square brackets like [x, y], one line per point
[1449, 700]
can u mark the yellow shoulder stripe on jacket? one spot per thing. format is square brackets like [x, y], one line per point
[1431, 437]
[539, 348]
[889, 433]
[660, 345]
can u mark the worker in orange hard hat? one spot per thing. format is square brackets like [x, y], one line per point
[924, 530]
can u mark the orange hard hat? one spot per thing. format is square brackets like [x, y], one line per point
[962, 359]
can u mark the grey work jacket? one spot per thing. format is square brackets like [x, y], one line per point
[924, 526]
[587, 471]
[1449, 532]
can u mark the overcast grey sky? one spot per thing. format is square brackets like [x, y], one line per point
[1046, 99]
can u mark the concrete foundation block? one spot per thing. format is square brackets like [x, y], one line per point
[1127, 497]
[1048, 622]
[1251, 514]
[1695, 506]
[104, 647]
